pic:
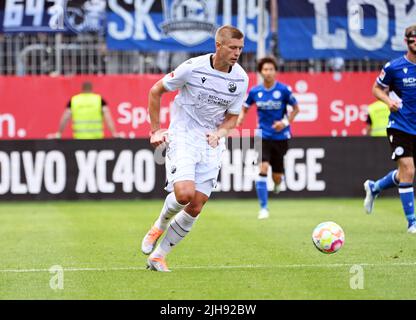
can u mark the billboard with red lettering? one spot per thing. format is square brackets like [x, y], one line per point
[31, 107]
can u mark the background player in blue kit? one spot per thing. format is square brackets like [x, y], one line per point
[271, 98]
[398, 78]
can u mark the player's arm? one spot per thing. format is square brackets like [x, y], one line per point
[246, 107]
[381, 87]
[230, 122]
[170, 82]
[242, 116]
[280, 125]
[294, 113]
[381, 93]
[286, 121]
[157, 136]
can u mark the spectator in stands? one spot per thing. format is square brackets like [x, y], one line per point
[378, 118]
[87, 110]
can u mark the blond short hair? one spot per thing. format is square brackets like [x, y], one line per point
[228, 32]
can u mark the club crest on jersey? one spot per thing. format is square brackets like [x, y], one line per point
[276, 94]
[189, 22]
[405, 70]
[399, 151]
[232, 87]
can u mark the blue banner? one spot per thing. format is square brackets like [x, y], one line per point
[68, 16]
[179, 25]
[350, 29]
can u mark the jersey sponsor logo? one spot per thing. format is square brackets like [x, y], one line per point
[232, 87]
[269, 105]
[189, 22]
[209, 99]
[409, 82]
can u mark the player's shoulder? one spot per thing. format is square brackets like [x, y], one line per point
[283, 86]
[257, 88]
[198, 61]
[239, 71]
[396, 63]
[195, 62]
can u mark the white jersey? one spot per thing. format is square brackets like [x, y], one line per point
[205, 95]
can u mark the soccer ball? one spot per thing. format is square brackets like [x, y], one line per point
[328, 237]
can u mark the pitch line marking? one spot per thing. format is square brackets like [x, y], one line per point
[281, 266]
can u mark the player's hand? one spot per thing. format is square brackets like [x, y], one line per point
[213, 139]
[158, 137]
[394, 106]
[278, 125]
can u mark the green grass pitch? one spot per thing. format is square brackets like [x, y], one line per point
[229, 254]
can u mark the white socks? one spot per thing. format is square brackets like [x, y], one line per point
[178, 229]
[170, 208]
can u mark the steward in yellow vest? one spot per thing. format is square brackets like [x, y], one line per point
[87, 116]
[88, 111]
[378, 118]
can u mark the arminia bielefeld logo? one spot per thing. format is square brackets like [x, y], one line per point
[189, 22]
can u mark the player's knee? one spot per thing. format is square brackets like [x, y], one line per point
[194, 209]
[406, 174]
[184, 196]
[409, 173]
[277, 178]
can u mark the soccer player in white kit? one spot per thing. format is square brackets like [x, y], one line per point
[212, 89]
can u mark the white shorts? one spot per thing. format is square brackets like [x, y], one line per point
[199, 163]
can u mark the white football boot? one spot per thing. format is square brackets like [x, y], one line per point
[370, 196]
[263, 214]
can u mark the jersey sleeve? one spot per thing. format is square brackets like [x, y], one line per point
[386, 75]
[250, 99]
[177, 78]
[291, 100]
[239, 101]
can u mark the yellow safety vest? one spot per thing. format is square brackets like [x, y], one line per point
[87, 117]
[379, 114]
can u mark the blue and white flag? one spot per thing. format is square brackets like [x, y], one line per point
[179, 25]
[351, 29]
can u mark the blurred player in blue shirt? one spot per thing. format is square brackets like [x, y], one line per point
[396, 86]
[271, 99]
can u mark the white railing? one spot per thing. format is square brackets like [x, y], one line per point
[40, 54]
